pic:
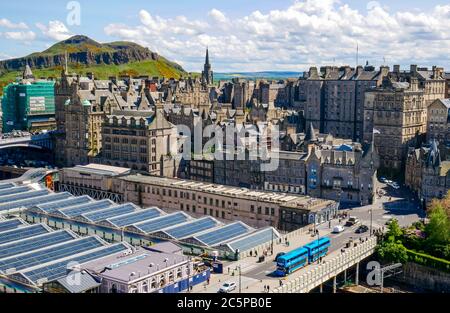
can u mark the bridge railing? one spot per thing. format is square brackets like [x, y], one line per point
[329, 268]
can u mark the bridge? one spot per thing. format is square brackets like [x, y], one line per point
[40, 141]
[336, 263]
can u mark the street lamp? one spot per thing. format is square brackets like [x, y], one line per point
[240, 278]
[318, 239]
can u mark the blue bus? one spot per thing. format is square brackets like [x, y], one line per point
[317, 248]
[300, 257]
[291, 261]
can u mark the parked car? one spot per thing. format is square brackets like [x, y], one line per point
[352, 221]
[362, 229]
[395, 185]
[383, 179]
[338, 229]
[227, 287]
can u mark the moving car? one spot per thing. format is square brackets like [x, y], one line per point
[338, 229]
[362, 229]
[383, 179]
[352, 221]
[395, 185]
[227, 287]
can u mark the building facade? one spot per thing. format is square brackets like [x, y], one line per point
[427, 173]
[28, 104]
[438, 122]
[140, 140]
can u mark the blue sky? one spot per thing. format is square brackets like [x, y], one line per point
[248, 35]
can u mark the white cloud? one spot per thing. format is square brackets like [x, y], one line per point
[55, 30]
[20, 35]
[218, 16]
[8, 24]
[307, 32]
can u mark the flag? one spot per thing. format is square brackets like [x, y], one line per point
[376, 131]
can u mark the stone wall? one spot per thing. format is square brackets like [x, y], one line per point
[426, 278]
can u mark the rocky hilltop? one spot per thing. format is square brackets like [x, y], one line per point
[83, 51]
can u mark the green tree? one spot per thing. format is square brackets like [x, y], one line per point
[391, 251]
[438, 227]
[394, 231]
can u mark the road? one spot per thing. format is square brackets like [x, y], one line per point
[397, 204]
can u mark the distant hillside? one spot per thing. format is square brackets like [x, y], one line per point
[257, 75]
[87, 55]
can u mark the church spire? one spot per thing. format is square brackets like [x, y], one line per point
[207, 74]
[207, 57]
[310, 135]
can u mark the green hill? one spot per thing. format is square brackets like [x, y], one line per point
[86, 55]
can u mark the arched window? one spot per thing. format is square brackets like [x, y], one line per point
[162, 280]
[145, 287]
[153, 283]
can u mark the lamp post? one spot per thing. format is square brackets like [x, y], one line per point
[318, 239]
[240, 278]
[189, 275]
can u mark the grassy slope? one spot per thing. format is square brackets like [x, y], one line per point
[160, 68]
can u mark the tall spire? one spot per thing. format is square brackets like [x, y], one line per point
[310, 133]
[207, 74]
[207, 57]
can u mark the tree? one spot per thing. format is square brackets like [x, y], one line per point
[391, 251]
[438, 227]
[394, 231]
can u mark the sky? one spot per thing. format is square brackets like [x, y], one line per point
[242, 35]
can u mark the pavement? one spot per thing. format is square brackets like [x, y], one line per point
[398, 204]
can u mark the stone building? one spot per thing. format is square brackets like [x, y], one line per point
[327, 168]
[81, 105]
[333, 98]
[255, 208]
[317, 165]
[140, 140]
[438, 122]
[427, 173]
[397, 109]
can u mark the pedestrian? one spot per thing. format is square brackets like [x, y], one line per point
[256, 253]
[251, 252]
[268, 288]
[281, 283]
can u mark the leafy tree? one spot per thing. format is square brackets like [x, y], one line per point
[391, 251]
[394, 231]
[438, 227]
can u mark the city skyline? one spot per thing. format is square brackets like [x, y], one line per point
[281, 36]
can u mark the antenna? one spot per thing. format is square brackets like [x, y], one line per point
[357, 54]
